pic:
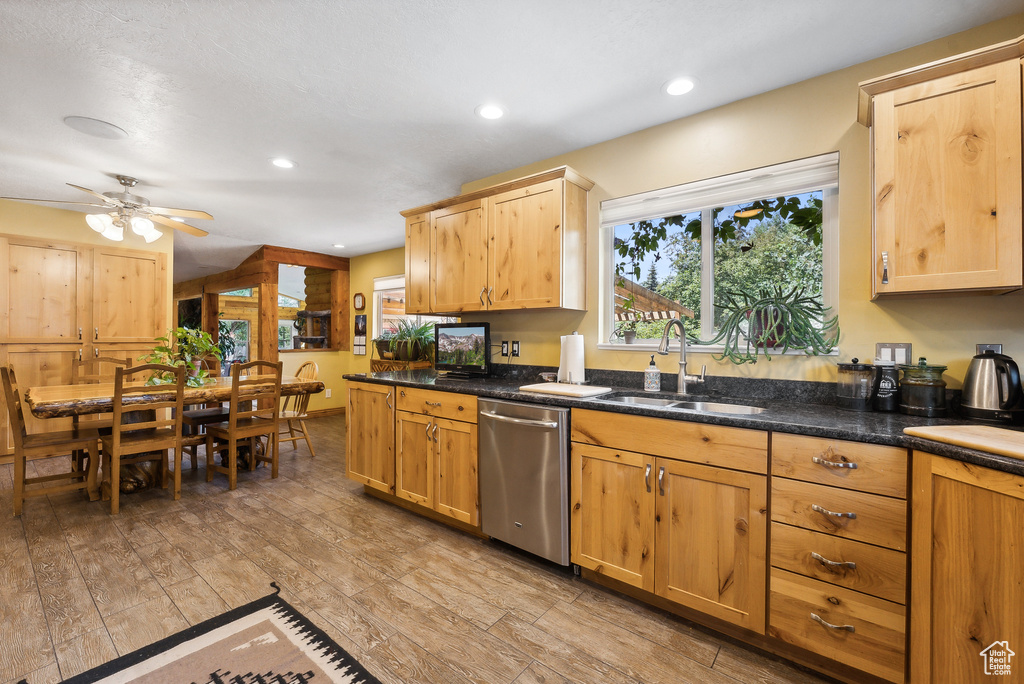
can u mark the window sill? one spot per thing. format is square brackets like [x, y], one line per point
[647, 347]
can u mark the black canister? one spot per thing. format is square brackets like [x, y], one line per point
[887, 386]
[922, 390]
[854, 385]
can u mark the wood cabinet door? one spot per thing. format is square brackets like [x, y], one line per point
[370, 436]
[129, 295]
[947, 183]
[44, 291]
[417, 264]
[458, 258]
[711, 546]
[966, 564]
[456, 473]
[525, 257]
[414, 457]
[612, 526]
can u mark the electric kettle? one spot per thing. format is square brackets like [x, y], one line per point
[992, 389]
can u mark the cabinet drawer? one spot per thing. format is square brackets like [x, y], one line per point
[441, 404]
[853, 465]
[875, 519]
[876, 571]
[869, 633]
[725, 447]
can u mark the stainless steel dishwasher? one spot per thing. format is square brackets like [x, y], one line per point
[524, 476]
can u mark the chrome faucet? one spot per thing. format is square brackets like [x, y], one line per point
[663, 350]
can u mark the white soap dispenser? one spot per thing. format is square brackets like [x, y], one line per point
[652, 377]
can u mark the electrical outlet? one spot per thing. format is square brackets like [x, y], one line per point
[504, 347]
[897, 352]
[515, 347]
[327, 393]
[982, 348]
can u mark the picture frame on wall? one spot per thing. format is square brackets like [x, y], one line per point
[359, 339]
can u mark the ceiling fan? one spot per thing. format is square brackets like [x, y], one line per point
[132, 211]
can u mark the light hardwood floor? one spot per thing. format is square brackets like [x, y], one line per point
[413, 600]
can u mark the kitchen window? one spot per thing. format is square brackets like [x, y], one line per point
[685, 246]
[389, 306]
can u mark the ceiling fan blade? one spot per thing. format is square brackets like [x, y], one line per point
[80, 204]
[184, 213]
[108, 200]
[183, 227]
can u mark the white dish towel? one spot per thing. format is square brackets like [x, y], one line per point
[570, 364]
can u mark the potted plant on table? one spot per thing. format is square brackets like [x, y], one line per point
[383, 343]
[773, 319]
[412, 342]
[183, 347]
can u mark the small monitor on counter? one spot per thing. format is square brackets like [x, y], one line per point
[462, 349]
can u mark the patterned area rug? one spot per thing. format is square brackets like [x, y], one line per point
[264, 642]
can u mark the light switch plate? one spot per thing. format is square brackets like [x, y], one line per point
[504, 347]
[982, 348]
[897, 352]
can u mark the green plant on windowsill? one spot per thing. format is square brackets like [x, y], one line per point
[413, 342]
[771, 319]
[183, 347]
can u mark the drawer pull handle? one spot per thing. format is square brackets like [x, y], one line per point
[435, 433]
[482, 290]
[432, 403]
[833, 564]
[647, 477]
[847, 628]
[661, 480]
[429, 425]
[833, 464]
[825, 511]
[387, 400]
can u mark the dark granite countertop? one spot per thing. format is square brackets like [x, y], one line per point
[798, 407]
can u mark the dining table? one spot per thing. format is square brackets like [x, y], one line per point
[62, 401]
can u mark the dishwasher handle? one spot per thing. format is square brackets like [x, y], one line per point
[520, 421]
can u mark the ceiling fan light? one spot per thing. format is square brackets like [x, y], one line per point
[114, 232]
[141, 226]
[152, 235]
[99, 222]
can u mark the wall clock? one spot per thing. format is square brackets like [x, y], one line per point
[359, 301]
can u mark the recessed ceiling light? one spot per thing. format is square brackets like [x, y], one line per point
[95, 127]
[339, 246]
[282, 163]
[490, 111]
[679, 86]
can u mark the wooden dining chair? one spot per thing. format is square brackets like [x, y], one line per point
[143, 429]
[252, 413]
[46, 445]
[92, 371]
[294, 409]
[195, 420]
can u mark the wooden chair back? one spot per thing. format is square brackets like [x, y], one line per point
[97, 369]
[14, 408]
[258, 382]
[132, 395]
[299, 403]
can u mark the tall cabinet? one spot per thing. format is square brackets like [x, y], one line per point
[62, 301]
[517, 245]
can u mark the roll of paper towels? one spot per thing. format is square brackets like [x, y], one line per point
[570, 364]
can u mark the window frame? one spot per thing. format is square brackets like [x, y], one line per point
[817, 173]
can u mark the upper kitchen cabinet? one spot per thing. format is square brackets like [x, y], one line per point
[517, 245]
[947, 174]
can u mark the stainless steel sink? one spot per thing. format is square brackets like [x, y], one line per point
[677, 404]
[715, 407]
[640, 401]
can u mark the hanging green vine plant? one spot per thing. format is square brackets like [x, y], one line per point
[773, 320]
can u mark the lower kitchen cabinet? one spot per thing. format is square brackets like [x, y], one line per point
[967, 589]
[370, 436]
[691, 533]
[435, 456]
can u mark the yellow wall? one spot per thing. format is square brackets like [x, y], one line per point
[801, 120]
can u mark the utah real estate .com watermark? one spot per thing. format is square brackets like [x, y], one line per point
[997, 657]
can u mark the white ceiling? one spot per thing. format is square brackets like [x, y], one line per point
[375, 100]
